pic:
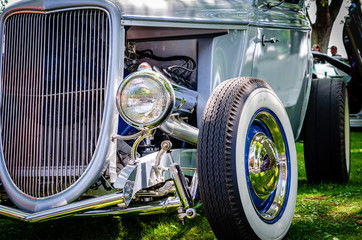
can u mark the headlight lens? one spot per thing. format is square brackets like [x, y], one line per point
[145, 99]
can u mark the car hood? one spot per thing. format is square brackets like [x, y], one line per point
[204, 11]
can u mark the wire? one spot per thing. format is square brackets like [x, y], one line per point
[149, 53]
[177, 66]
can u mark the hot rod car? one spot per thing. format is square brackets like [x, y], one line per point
[111, 107]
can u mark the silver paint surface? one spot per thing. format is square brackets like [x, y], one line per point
[285, 65]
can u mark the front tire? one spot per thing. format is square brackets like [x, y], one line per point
[247, 194]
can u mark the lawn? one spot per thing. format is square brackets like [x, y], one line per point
[330, 211]
[325, 211]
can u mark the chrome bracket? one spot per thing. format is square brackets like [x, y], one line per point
[155, 168]
[138, 176]
[182, 191]
[139, 136]
[135, 146]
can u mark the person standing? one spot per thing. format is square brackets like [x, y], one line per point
[316, 48]
[334, 52]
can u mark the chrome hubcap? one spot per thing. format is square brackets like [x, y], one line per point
[263, 165]
[267, 165]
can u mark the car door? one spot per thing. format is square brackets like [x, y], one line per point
[282, 56]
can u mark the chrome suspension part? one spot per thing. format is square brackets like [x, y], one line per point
[182, 191]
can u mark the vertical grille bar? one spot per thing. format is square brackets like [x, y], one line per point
[11, 97]
[95, 60]
[16, 99]
[54, 74]
[89, 62]
[77, 66]
[28, 102]
[40, 104]
[37, 103]
[80, 98]
[83, 102]
[58, 100]
[62, 104]
[71, 134]
[45, 139]
[21, 100]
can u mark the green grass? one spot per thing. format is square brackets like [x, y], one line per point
[325, 211]
[330, 211]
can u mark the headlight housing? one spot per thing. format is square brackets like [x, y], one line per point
[145, 99]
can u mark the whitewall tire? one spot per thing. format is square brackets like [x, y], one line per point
[247, 162]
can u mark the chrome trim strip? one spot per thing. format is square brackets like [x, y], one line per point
[70, 209]
[242, 25]
[162, 206]
[273, 26]
[157, 23]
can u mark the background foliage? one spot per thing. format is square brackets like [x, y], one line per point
[326, 14]
[2, 5]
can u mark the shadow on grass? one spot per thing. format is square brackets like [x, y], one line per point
[168, 226]
[70, 228]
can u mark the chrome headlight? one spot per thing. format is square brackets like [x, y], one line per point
[145, 99]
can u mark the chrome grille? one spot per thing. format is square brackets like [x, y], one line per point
[54, 76]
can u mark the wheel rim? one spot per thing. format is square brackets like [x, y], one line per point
[267, 165]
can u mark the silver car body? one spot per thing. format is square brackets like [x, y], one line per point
[229, 38]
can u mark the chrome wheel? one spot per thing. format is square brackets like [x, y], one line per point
[267, 165]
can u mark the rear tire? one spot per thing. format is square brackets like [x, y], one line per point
[240, 188]
[326, 132]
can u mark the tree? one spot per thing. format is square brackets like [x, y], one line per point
[327, 11]
[2, 5]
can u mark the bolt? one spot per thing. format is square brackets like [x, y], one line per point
[191, 213]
